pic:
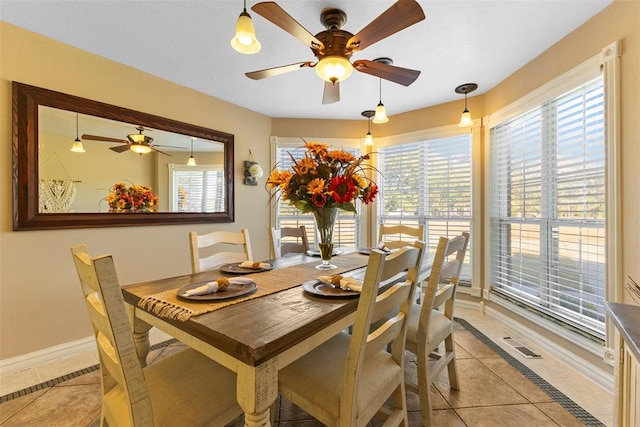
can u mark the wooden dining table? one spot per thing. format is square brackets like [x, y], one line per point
[256, 335]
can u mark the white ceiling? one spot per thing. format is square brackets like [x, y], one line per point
[187, 42]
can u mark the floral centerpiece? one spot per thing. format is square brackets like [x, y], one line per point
[135, 198]
[322, 182]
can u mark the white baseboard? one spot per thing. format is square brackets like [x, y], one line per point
[46, 355]
[590, 371]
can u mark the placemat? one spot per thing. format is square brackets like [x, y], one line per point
[167, 304]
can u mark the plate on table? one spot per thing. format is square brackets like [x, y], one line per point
[317, 253]
[327, 290]
[364, 251]
[233, 291]
[236, 269]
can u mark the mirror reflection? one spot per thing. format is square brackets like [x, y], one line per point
[82, 157]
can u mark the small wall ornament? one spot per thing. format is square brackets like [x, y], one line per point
[252, 171]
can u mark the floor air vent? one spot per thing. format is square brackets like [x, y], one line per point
[522, 349]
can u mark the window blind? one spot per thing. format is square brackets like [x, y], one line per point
[197, 188]
[347, 227]
[428, 183]
[547, 210]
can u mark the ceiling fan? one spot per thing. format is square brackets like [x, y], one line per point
[136, 142]
[334, 46]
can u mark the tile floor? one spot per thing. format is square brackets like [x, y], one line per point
[492, 393]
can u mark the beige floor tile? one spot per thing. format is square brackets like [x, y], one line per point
[556, 412]
[58, 406]
[588, 395]
[478, 387]
[16, 381]
[446, 418]
[11, 407]
[519, 382]
[63, 366]
[505, 416]
[473, 345]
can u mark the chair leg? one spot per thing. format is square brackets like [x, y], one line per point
[451, 365]
[424, 386]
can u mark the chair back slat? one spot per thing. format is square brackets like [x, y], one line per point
[397, 236]
[442, 295]
[214, 249]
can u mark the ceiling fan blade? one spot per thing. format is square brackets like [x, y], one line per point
[120, 148]
[277, 15]
[170, 146]
[103, 139]
[399, 16]
[276, 71]
[331, 93]
[403, 76]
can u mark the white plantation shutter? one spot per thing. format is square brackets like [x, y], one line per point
[347, 228]
[547, 214]
[429, 183]
[197, 188]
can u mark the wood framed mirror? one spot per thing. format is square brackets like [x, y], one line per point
[55, 187]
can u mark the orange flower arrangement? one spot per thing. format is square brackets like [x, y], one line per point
[135, 198]
[324, 178]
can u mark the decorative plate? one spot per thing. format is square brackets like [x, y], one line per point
[326, 290]
[233, 291]
[236, 269]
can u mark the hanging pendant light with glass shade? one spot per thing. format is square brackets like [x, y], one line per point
[77, 144]
[381, 112]
[465, 119]
[245, 41]
[368, 140]
[192, 160]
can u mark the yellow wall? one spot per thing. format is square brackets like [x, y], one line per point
[40, 297]
[40, 302]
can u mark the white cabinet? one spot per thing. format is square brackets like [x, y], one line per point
[626, 318]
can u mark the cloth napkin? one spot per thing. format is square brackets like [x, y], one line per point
[383, 247]
[342, 282]
[217, 285]
[256, 265]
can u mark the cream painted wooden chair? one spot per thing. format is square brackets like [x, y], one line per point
[183, 389]
[397, 236]
[431, 323]
[347, 380]
[212, 249]
[283, 243]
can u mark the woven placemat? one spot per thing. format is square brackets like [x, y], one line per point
[167, 304]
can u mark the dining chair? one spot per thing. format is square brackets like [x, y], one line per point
[283, 241]
[431, 323]
[397, 236]
[213, 249]
[185, 388]
[347, 380]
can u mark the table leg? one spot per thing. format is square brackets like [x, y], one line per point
[257, 392]
[140, 335]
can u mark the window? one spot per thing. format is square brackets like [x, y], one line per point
[347, 226]
[197, 188]
[428, 182]
[548, 204]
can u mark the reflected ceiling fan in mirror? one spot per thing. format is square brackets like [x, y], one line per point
[136, 142]
[333, 47]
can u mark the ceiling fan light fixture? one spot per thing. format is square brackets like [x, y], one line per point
[140, 148]
[334, 68]
[245, 40]
[465, 119]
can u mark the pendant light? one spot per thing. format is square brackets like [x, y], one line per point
[245, 41]
[368, 140]
[77, 144]
[192, 160]
[381, 112]
[465, 119]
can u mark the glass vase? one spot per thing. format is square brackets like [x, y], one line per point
[325, 221]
